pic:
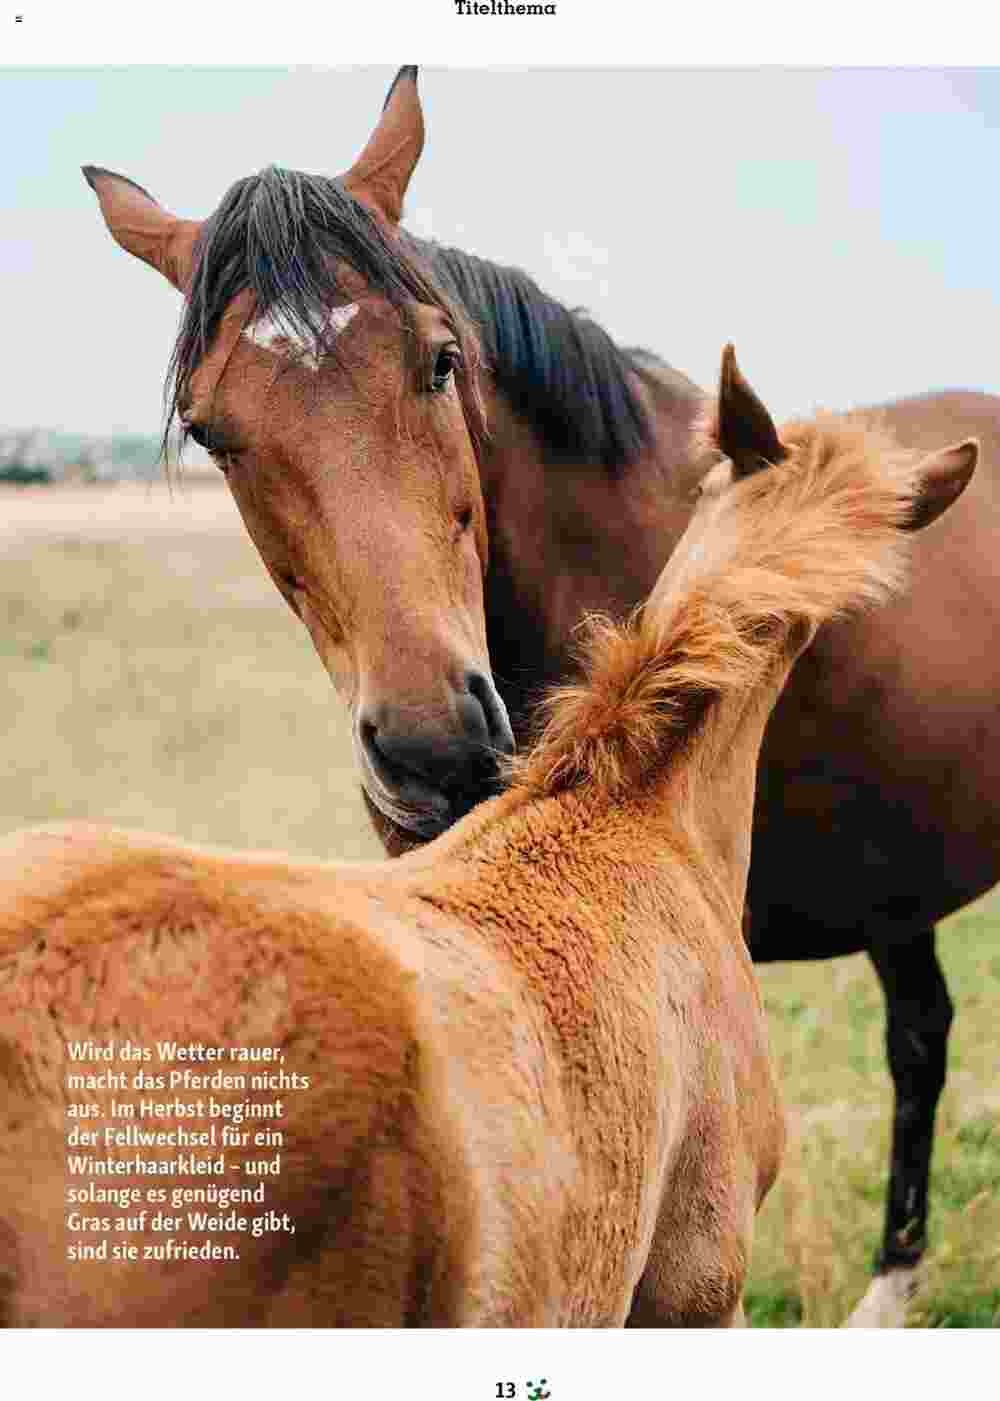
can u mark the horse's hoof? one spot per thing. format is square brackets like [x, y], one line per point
[885, 1302]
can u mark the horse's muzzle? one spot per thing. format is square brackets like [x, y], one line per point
[425, 781]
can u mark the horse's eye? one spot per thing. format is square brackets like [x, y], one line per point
[201, 435]
[197, 434]
[448, 359]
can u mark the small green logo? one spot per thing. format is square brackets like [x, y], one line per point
[537, 1391]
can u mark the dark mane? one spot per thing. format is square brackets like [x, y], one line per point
[560, 370]
[281, 233]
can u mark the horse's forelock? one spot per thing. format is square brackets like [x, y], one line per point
[282, 234]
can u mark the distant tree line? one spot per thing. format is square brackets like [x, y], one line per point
[36, 455]
[18, 460]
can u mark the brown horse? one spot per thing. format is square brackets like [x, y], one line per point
[327, 389]
[883, 759]
[537, 1088]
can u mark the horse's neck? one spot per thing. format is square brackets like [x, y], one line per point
[708, 787]
[567, 539]
[700, 804]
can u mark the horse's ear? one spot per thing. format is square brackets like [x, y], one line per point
[142, 227]
[941, 478]
[382, 172]
[745, 432]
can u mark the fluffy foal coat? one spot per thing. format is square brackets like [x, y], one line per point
[539, 1085]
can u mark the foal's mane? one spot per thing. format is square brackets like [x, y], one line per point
[807, 540]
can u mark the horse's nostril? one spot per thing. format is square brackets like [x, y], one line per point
[499, 735]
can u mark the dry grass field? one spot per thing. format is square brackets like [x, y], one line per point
[153, 678]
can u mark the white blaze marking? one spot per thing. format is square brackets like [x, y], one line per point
[265, 332]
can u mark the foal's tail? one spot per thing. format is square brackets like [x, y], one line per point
[792, 529]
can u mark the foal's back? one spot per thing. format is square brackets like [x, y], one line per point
[416, 1166]
[106, 937]
[489, 1131]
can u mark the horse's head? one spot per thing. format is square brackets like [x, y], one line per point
[336, 388]
[825, 455]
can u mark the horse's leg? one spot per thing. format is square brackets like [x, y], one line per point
[648, 1311]
[690, 1281]
[918, 1016]
[738, 1318]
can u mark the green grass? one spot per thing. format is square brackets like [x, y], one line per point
[822, 1224]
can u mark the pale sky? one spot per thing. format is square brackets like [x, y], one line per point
[841, 226]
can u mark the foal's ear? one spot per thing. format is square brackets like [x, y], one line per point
[142, 227]
[381, 173]
[941, 479]
[746, 433]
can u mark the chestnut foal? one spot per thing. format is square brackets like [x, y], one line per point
[538, 1087]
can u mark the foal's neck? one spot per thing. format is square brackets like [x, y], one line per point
[720, 778]
[697, 806]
